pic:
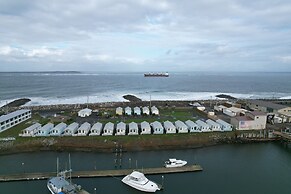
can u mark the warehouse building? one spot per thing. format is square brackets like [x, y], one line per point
[255, 120]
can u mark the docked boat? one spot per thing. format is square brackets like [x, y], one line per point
[138, 181]
[157, 74]
[60, 184]
[173, 162]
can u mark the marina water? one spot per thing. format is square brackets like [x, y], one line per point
[72, 87]
[262, 168]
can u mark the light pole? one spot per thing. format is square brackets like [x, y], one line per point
[95, 190]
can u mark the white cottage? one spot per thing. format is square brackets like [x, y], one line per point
[44, 131]
[84, 129]
[204, 127]
[85, 112]
[132, 128]
[58, 129]
[169, 127]
[108, 129]
[119, 111]
[146, 110]
[30, 131]
[224, 125]
[145, 128]
[128, 111]
[137, 111]
[155, 110]
[71, 129]
[193, 127]
[213, 125]
[157, 127]
[181, 127]
[120, 128]
[96, 129]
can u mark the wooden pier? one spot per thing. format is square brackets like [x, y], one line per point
[99, 173]
[284, 136]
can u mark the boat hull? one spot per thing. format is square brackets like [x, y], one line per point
[149, 187]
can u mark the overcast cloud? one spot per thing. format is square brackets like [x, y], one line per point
[145, 35]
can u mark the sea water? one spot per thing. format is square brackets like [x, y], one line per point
[45, 88]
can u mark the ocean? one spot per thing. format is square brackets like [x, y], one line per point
[45, 88]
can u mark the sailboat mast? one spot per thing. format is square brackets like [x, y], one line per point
[57, 166]
[70, 169]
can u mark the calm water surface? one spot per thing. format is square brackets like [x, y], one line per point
[254, 168]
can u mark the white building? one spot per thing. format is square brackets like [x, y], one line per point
[181, 127]
[145, 128]
[213, 125]
[71, 129]
[234, 111]
[44, 131]
[224, 125]
[193, 127]
[30, 131]
[204, 127]
[14, 118]
[84, 129]
[85, 112]
[155, 110]
[169, 127]
[128, 111]
[58, 129]
[219, 108]
[119, 111]
[255, 120]
[108, 129]
[120, 128]
[157, 127]
[146, 110]
[137, 111]
[132, 128]
[96, 129]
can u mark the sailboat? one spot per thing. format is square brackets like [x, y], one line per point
[60, 184]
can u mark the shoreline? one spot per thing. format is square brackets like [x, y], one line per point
[135, 144]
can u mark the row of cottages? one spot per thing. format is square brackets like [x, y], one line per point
[14, 118]
[74, 129]
[137, 111]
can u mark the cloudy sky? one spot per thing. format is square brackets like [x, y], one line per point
[145, 35]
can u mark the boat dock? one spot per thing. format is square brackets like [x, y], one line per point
[99, 173]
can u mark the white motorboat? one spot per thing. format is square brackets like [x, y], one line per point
[138, 181]
[173, 162]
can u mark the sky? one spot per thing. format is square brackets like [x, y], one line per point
[145, 35]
